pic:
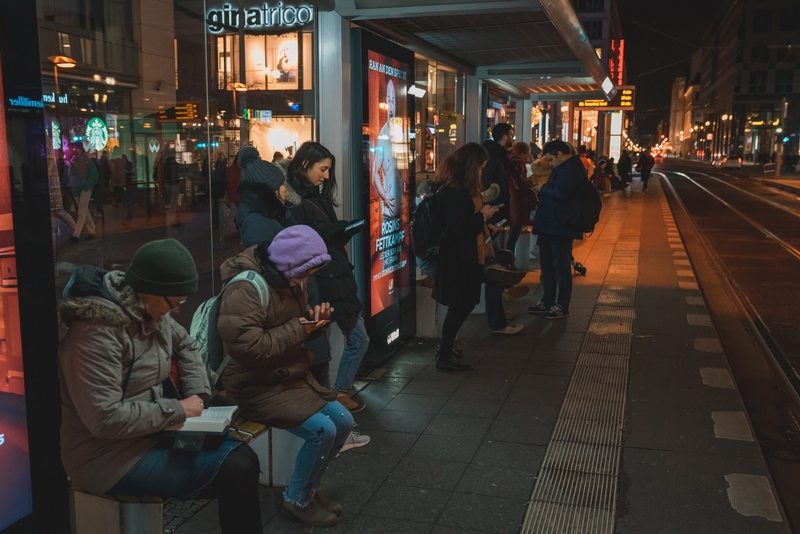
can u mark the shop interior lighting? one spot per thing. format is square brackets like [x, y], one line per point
[725, 117]
[416, 91]
[63, 62]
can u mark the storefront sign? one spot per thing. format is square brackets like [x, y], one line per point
[96, 134]
[154, 145]
[625, 99]
[25, 102]
[276, 15]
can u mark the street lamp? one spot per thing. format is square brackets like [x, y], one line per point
[64, 62]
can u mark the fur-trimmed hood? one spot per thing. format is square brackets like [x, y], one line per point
[101, 297]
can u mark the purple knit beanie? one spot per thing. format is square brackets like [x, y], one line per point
[298, 249]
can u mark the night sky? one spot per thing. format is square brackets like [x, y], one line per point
[647, 50]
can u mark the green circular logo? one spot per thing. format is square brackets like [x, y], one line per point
[96, 134]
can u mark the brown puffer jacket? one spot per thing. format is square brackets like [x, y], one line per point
[268, 375]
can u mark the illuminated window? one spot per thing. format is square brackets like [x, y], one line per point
[599, 52]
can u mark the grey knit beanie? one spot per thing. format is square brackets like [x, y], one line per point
[263, 172]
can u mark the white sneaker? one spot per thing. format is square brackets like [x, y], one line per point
[354, 441]
[509, 330]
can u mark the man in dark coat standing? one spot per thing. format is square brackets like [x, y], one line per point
[555, 219]
[496, 169]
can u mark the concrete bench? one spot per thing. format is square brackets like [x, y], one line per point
[94, 514]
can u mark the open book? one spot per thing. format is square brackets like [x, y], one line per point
[215, 419]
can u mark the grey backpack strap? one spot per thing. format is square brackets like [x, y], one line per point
[263, 294]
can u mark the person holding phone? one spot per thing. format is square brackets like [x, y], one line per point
[459, 270]
[269, 375]
[312, 174]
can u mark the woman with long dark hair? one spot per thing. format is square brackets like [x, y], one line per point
[312, 174]
[459, 272]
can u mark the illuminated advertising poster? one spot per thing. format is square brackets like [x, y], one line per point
[15, 490]
[389, 208]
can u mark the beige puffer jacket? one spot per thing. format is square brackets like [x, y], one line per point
[103, 435]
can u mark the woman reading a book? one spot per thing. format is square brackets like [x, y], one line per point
[269, 375]
[114, 362]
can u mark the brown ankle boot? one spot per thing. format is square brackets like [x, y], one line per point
[328, 504]
[313, 515]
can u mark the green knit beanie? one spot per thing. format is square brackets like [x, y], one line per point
[165, 268]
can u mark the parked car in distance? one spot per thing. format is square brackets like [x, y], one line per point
[727, 162]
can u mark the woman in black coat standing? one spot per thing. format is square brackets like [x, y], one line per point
[312, 175]
[459, 271]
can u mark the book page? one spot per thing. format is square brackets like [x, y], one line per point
[214, 419]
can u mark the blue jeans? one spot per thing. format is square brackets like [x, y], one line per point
[355, 347]
[324, 432]
[495, 312]
[555, 258]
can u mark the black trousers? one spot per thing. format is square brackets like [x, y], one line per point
[645, 178]
[456, 315]
[236, 488]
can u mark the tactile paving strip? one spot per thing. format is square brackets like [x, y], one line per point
[577, 486]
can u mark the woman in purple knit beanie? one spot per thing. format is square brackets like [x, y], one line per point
[269, 372]
[297, 250]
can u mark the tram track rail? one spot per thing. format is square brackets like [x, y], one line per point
[785, 351]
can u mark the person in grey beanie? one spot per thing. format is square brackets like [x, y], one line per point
[114, 371]
[264, 197]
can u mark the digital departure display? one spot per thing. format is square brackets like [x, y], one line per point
[15, 490]
[389, 160]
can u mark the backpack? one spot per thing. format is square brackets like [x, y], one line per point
[589, 206]
[427, 229]
[204, 324]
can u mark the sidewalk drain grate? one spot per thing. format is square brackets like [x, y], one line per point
[583, 457]
[554, 518]
[607, 343]
[576, 488]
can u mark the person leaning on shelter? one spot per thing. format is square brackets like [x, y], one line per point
[558, 206]
[312, 174]
[459, 271]
[113, 361]
[269, 372]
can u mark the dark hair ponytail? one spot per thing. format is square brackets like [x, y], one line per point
[309, 154]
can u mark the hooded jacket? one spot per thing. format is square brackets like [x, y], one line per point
[269, 372]
[257, 223]
[337, 284]
[107, 425]
[559, 202]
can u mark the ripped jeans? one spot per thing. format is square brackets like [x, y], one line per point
[324, 432]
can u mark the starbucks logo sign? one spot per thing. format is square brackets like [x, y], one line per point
[96, 134]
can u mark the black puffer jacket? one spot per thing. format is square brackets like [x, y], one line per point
[496, 172]
[337, 285]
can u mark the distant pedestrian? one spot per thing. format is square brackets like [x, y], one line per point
[558, 207]
[82, 177]
[625, 167]
[645, 165]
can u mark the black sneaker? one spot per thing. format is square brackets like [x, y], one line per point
[450, 364]
[539, 309]
[579, 268]
[557, 312]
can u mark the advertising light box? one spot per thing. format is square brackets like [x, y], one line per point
[383, 190]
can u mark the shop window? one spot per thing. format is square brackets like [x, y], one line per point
[86, 51]
[758, 82]
[790, 19]
[308, 61]
[762, 20]
[594, 29]
[589, 6]
[63, 41]
[272, 62]
[784, 81]
[227, 61]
